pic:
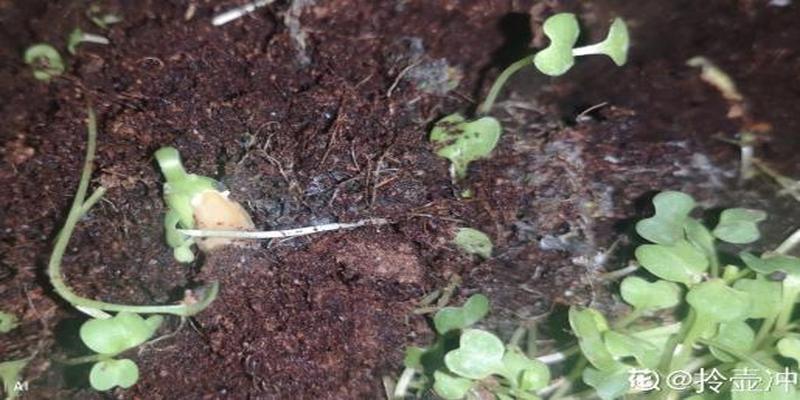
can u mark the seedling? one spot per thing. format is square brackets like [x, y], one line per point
[688, 316]
[474, 241]
[736, 316]
[195, 201]
[110, 337]
[8, 322]
[101, 19]
[77, 36]
[80, 206]
[45, 60]
[470, 363]
[467, 141]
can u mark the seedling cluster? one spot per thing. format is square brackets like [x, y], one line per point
[462, 141]
[468, 362]
[110, 335]
[689, 312]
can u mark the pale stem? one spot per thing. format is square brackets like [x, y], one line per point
[790, 243]
[287, 233]
[588, 50]
[92, 38]
[498, 84]
[401, 389]
[238, 12]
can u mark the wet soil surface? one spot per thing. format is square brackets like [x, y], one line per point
[316, 112]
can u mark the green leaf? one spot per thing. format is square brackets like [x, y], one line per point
[609, 385]
[450, 318]
[479, 355]
[715, 301]
[769, 263]
[45, 60]
[107, 374]
[644, 295]
[462, 141]
[621, 345]
[473, 241]
[119, 333]
[589, 325]
[450, 387]
[671, 214]
[765, 296]
[681, 262]
[10, 374]
[790, 347]
[562, 29]
[617, 42]
[739, 225]
[736, 335]
[8, 322]
[523, 373]
[698, 235]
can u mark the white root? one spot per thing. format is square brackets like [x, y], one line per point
[287, 233]
[238, 12]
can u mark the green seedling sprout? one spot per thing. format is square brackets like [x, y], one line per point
[110, 337]
[473, 241]
[465, 362]
[102, 20]
[8, 322]
[77, 36]
[463, 141]
[80, 206]
[188, 207]
[45, 60]
[712, 316]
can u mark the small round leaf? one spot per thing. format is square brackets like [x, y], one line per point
[450, 387]
[644, 295]
[682, 262]
[107, 374]
[671, 212]
[739, 225]
[462, 141]
[474, 241]
[524, 373]
[451, 318]
[562, 30]
[737, 335]
[119, 333]
[479, 355]
[716, 301]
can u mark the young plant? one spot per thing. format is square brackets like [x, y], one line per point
[45, 61]
[470, 363]
[110, 337]
[462, 141]
[77, 36]
[105, 334]
[739, 316]
[194, 200]
[473, 241]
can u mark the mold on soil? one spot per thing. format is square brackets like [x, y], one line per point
[323, 118]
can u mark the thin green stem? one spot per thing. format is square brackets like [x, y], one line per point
[498, 84]
[79, 207]
[632, 316]
[85, 359]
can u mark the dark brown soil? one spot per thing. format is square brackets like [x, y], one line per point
[333, 128]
